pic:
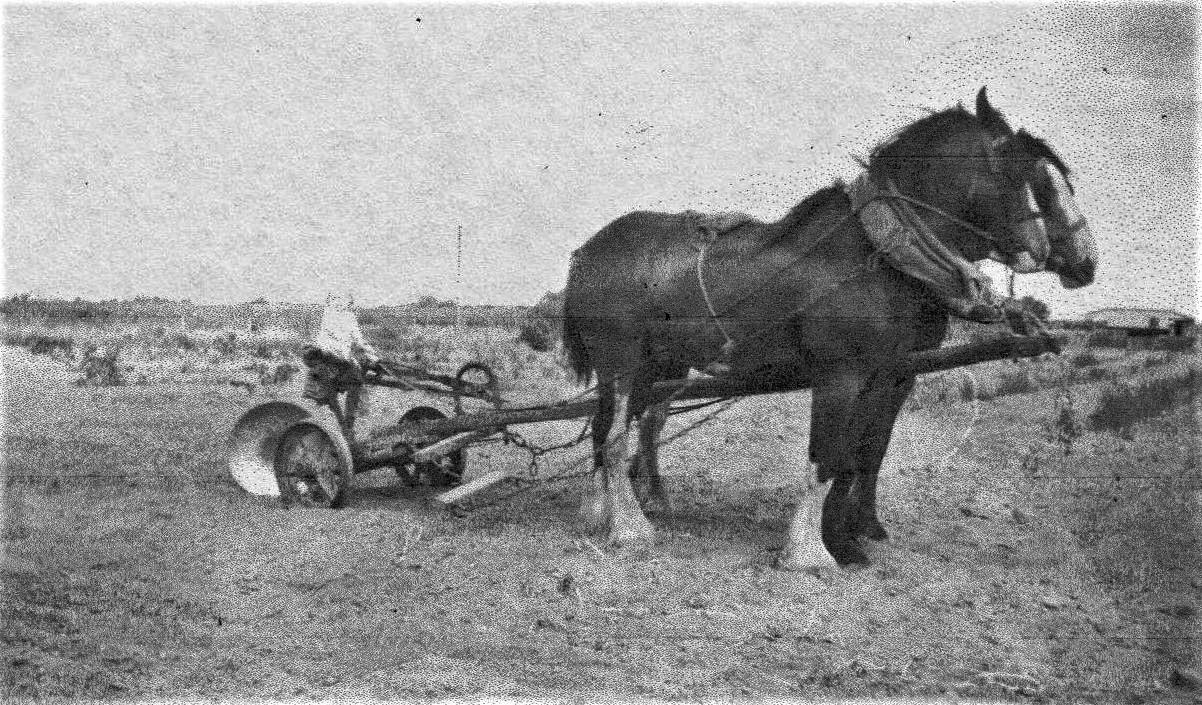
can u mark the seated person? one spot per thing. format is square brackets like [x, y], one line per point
[340, 354]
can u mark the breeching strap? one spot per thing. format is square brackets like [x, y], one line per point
[705, 294]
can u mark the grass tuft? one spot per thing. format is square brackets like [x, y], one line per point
[100, 368]
[1086, 359]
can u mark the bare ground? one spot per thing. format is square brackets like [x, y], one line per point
[133, 568]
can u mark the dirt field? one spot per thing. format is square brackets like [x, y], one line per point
[135, 569]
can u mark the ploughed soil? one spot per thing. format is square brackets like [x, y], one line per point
[133, 568]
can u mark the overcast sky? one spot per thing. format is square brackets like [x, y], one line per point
[226, 152]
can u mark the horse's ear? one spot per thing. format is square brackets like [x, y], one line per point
[989, 116]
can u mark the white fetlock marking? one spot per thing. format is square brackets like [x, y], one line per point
[595, 509]
[631, 530]
[594, 512]
[629, 523]
[806, 549]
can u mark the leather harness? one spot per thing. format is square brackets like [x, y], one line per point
[899, 237]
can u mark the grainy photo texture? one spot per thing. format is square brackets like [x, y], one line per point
[628, 353]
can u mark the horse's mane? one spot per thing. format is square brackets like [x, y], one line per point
[812, 203]
[913, 142]
[907, 142]
[918, 139]
[1039, 149]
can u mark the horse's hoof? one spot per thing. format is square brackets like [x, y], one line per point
[808, 557]
[657, 505]
[631, 539]
[809, 565]
[631, 531]
[872, 530]
[848, 553]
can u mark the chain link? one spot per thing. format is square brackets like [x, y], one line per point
[536, 451]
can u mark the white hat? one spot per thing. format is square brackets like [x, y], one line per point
[344, 300]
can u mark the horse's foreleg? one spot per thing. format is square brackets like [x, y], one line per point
[804, 548]
[818, 536]
[864, 520]
[651, 423]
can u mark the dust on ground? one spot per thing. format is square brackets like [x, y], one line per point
[134, 568]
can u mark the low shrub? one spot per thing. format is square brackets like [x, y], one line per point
[1156, 361]
[1124, 406]
[50, 344]
[940, 389]
[1170, 343]
[226, 343]
[1016, 380]
[183, 341]
[1106, 339]
[1086, 359]
[543, 325]
[100, 369]
[537, 333]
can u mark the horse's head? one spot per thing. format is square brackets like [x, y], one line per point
[1025, 187]
[1008, 193]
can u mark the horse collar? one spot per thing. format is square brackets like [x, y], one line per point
[903, 239]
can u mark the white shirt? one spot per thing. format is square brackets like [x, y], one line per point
[340, 335]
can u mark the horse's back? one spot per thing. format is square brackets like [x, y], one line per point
[628, 235]
[637, 286]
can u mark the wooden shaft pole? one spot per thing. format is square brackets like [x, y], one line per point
[919, 363]
[712, 388]
[470, 488]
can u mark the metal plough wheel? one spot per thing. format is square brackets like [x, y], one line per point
[446, 472]
[309, 469]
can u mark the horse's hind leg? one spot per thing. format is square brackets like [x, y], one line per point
[613, 504]
[651, 423]
[593, 511]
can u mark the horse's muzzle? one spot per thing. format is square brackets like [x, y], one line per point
[1077, 275]
[1033, 236]
[1074, 255]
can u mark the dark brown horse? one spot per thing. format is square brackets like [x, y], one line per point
[807, 303]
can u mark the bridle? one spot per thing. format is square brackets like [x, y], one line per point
[991, 147]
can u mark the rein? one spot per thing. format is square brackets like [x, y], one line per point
[979, 232]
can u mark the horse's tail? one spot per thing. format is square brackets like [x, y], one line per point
[573, 343]
[573, 340]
